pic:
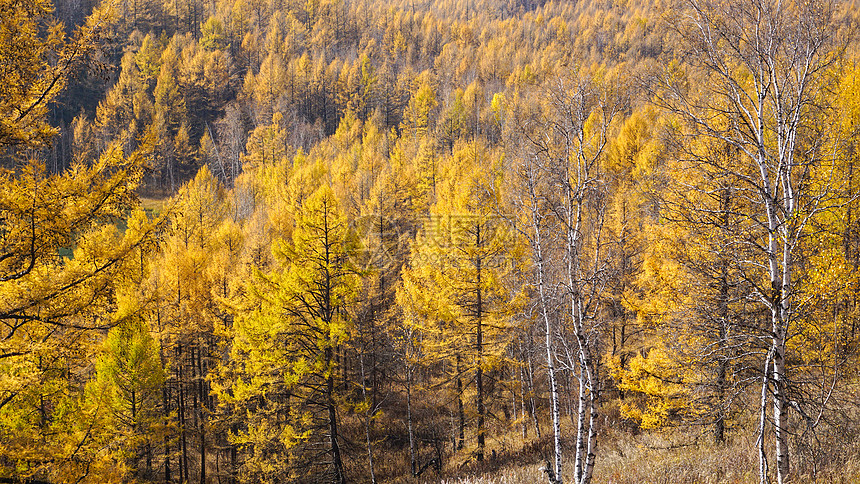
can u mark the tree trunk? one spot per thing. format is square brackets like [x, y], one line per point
[479, 348]
[763, 469]
[532, 402]
[412, 457]
[553, 388]
[780, 284]
[180, 402]
[524, 414]
[368, 415]
[780, 408]
[165, 399]
[201, 397]
[723, 325]
[554, 474]
[334, 445]
[202, 455]
[580, 427]
[585, 451]
[461, 428]
[591, 452]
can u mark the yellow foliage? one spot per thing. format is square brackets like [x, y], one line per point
[662, 388]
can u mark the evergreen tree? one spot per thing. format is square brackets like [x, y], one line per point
[288, 347]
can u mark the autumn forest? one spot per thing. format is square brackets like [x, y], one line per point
[459, 241]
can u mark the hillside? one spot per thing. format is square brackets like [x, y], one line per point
[503, 241]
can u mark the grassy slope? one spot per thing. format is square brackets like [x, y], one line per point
[670, 456]
[649, 458]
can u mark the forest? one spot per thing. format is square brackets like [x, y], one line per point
[453, 241]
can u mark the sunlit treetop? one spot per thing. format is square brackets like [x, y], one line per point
[36, 61]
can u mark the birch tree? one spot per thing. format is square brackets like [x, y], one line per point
[562, 200]
[765, 63]
[536, 226]
[532, 201]
[583, 111]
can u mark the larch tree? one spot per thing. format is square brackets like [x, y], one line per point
[630, 164]
[182, 286]
[169, 109]
[60, 258]
[382, 222]
[693, 302]
[58, 252]
[462, 263]
[37, 63]
[129, 379]
[287, 350]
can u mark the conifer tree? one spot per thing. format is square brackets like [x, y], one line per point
[287, 350]
[458, 272]
[36, 64]
[187, 312]
[55, 299]
[130, 377]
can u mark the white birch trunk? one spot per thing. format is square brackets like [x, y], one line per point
[591, 454]
[580, 424]
[763, 469]
[555, 477]
[766, 65]
[554, 473]
[532, 402]
[574, 223]
[587, 363]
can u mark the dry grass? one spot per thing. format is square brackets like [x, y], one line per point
[667, 457]
[655, 459]
[152, 205]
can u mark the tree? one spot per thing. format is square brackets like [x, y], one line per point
[169, 111]
[127, 105]
[58, 251]
[183, 291]
[693, 296]
[60, 259]
[286, 350]
[36, 63]
[460, 275]
[561, 192]
[537, 227]
[422, 103]
[130, 378]
[766, 63]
